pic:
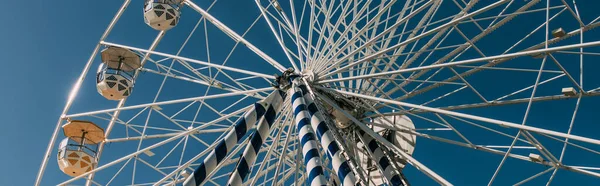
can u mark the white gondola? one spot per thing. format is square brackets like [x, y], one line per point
[77, 152]
[115, 77]
[162, 14]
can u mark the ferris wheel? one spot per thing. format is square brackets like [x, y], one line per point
[334, 93]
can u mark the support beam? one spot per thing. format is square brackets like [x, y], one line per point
[490, 58]
[234, 35]
[231, 139]
[468, 116]
[190, 60]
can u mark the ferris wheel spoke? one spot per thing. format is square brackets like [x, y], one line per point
[275, 158]
[279, 38]
[562, 153]
[457, 49]
[171, 102]
[135, 138]
[132, 126]
[209, 79]
[411, 40]
[310, 47]
[462, 62]
[520, 139]
[454, 129]
[190, 60]
[575, 83]
[496, 102]
[499, 61]
[371, 40]
[536, 175]
[466, 8]
[461, 48]
[168, 71]
[323, 10]
[389, 30]
[184, 128]
[150, 165]
[183, 45]
[204, 80]
[301, 49]
[370, 85]
[212, 80]
[118, 172]
[502, 153]
[420, 26]
[468, 116]
[504, 102]
[343, 14]
[236, 81]
[235, 36]
[494, 149]
[281, 158]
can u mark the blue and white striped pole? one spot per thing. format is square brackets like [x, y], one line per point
[262, 131]
[375, 149]
[339, 163]
[310, 151]
[231, 139]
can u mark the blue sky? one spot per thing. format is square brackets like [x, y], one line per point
[45, 44]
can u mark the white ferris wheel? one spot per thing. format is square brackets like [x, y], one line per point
[334, 93]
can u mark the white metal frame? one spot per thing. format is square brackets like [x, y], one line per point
[387, 56]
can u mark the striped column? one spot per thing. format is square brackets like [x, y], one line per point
[258, 137]
[312, 160]
[388, 171]
[226, 144]
[339, 163]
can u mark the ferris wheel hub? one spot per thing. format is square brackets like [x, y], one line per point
[309, 75]
[284, 81]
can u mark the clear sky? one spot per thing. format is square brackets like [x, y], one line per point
[45, 48]
[45, 44]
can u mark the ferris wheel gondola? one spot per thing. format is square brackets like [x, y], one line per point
[162, 14]
[116, 73]
[77, 152]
